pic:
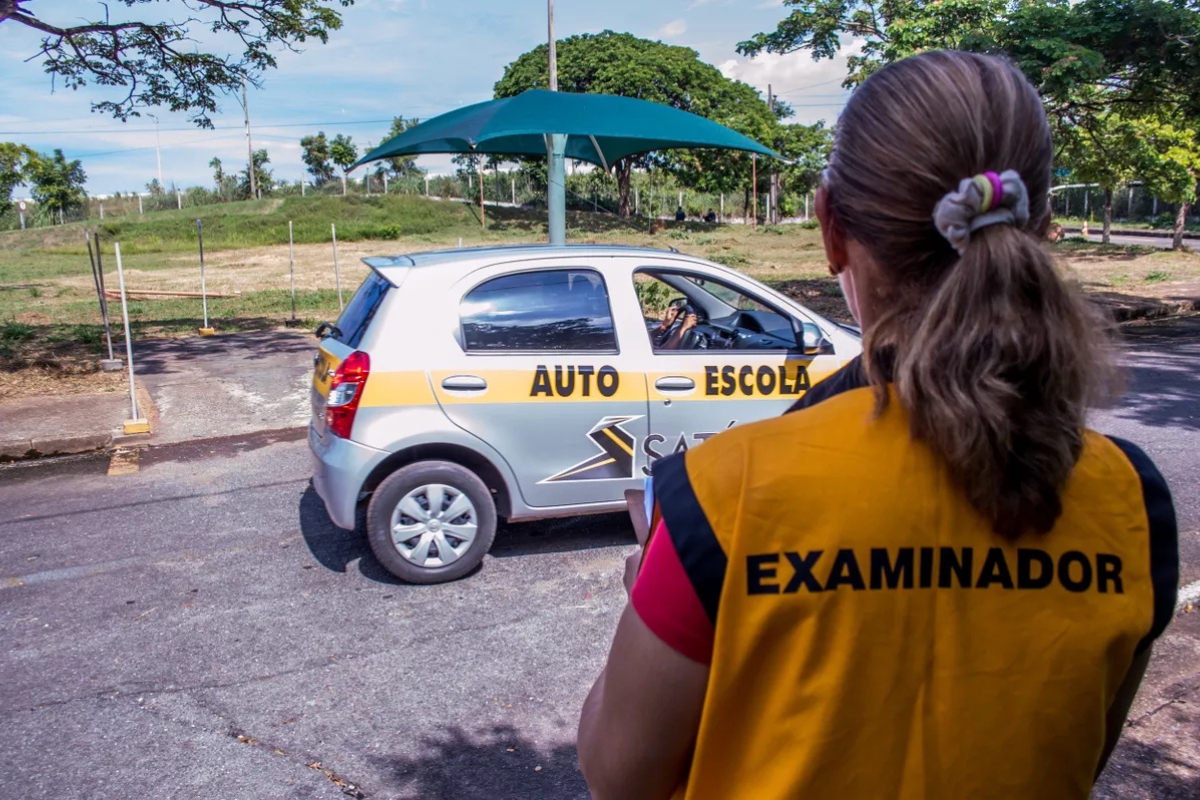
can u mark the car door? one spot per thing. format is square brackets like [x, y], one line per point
[741, 362]
[539, 379]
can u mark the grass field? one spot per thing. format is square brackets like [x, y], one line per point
[50, 323]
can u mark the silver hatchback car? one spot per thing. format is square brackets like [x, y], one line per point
[463, 386]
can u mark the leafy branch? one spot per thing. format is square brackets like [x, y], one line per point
[160, 63]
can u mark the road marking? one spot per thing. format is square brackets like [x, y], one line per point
[124, 462]
[68, 573]
[1188, 594]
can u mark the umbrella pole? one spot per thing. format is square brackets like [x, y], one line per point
[556, 192]
[482, 218]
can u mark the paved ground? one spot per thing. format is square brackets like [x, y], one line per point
[226, 385]
[1160, 754]
[192, 625]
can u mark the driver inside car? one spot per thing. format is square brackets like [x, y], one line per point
[669, 335]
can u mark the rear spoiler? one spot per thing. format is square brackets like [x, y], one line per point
[391, 268]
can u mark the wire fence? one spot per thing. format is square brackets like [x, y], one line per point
[650, 196]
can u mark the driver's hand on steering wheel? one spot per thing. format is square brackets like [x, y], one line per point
[689, 322]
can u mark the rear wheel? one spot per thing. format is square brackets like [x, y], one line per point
[430, 522]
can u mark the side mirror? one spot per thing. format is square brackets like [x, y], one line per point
[811, 341]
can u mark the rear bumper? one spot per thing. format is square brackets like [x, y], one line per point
[340, 468]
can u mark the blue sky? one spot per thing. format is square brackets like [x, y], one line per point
[408, 57]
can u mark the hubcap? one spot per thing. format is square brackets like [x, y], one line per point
[433, 525]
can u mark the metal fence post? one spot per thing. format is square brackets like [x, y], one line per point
[206, 330]
[337, 274]
[135, 424]
[292, 269]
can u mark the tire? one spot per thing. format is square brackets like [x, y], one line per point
[403, 503]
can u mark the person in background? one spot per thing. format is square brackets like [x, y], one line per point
[711, 216]
[680, 214]
[929, 579]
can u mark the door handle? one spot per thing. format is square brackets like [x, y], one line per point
[675, 383]
[464, 383]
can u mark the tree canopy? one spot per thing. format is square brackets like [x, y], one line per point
[1117, 77]
[315, 155]
[14, 160]
[57, 184]
[402, 166]
[157, 62]
[622, 64]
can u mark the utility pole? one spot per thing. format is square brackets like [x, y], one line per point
[556, 145]
[249, 148]
[754, 189]
[158, 150]
[773, 195]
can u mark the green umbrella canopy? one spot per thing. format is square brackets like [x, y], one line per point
[600, 128]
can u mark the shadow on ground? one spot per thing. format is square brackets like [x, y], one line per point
[336, 549]
[1138, 771]
[1162, 379]
[495, 763]
[157, 356]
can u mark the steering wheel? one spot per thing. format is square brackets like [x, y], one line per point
[688, 342]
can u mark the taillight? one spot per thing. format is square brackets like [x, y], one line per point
[345, 390]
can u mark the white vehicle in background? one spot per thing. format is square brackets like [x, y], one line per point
[463, 386]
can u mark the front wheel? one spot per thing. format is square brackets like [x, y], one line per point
[431, 522]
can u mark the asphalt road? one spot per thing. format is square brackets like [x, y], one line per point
[198, 628]
[1164, 242]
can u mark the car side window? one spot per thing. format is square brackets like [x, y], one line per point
[540, 310]
[686, 312]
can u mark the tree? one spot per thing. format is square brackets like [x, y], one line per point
[1170, 166]
[404, 166]
[887, 30]
[315, 155]
[344, 153]
[1117, 78]
[218, 171]
[155, 188]
[622, 64]
[807, 148]
[264, 181]
[156, 63]
[14, 161]
[1103, 149]
[57, 183]
[1107, 70]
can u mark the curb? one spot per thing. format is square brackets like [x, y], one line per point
[20, 449]
[1147, 310]
[1148, 233]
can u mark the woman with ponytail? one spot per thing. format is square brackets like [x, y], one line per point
[929, 579]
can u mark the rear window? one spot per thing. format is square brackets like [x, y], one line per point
[356, 317]
[539, 311]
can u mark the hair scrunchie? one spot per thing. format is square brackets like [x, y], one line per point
[980, 201]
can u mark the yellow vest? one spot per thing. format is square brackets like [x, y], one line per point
[875, 639]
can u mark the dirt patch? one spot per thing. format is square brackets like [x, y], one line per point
[822, 295]
[50, 381]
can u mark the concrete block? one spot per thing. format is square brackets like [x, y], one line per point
[15, 448]
[81, 443]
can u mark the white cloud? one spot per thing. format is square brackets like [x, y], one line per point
[673, 29]
[813, 88]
